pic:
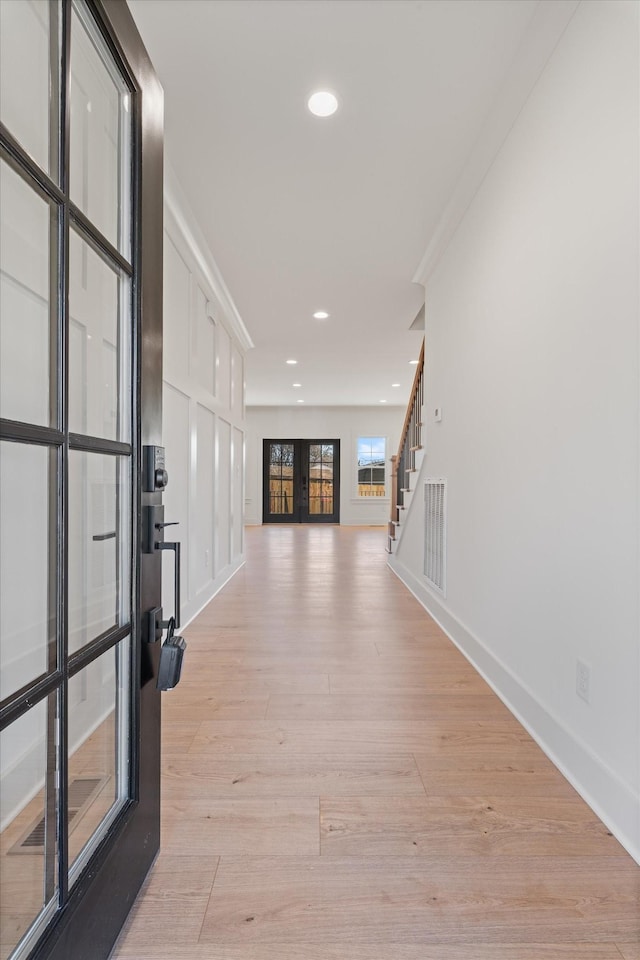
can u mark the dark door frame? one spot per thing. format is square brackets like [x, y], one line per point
[300, 479]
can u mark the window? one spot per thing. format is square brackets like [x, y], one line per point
[371, 466]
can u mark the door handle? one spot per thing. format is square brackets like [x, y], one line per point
[153, 524]
[175, 546]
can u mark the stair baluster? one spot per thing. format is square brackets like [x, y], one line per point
[403, 464]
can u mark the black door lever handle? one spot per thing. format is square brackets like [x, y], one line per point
[175, 546]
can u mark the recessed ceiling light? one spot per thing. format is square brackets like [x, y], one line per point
[413, 361]
[322, 103]
[292, 361]
[300, 401]
[382, 401]
[395, 384]
[297, 384]
[321, 315]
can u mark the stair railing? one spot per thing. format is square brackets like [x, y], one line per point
[404, 462]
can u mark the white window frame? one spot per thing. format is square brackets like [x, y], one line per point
[371, 497]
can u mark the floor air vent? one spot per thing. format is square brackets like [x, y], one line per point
[82, 792]
[435, 532]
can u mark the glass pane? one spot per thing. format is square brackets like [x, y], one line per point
[281, 496]
[24, 301]
[99, 345]
[280, 455]
[321, 502]
[27, 620]
[28, 847]
[320, 478]
[26, 85]
[100, 134]
[281, 478]
[98, 750]
[99, 521]
[371, 466]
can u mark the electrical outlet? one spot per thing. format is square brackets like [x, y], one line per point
[583, 680]
[206, 558]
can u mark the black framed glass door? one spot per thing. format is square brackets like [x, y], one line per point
[80, 391]
[301, 481]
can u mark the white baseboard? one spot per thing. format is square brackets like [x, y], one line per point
[206, 595]
[611, 799]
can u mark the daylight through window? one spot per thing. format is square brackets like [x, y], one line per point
[371, 466]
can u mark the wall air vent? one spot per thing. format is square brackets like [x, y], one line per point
[435, 533]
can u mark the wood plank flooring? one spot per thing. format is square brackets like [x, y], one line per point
[339, 784]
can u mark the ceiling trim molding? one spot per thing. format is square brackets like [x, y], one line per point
[179, 211]
[547, 26]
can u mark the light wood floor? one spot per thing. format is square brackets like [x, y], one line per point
[339, 784]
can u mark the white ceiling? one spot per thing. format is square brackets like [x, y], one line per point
[303, 214]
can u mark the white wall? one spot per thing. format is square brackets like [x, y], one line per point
[319, 423]
[203, 413]
[532, 353]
